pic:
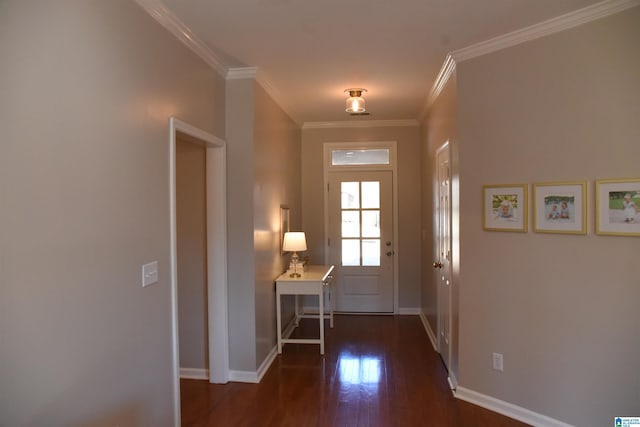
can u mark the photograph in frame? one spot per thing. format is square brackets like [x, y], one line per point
[618, 207]
[560, 207]
[505, 207]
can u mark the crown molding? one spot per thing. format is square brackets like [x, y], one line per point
[161, 13]
[158, 11]
[361, 124]
[171, 22]
[448, 68]
[239, 73]
[545, 28]
[255, 73]
[276, 95]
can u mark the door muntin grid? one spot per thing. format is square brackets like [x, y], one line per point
[360, 227]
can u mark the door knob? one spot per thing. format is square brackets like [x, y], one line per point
[390, 253]
[437, 264]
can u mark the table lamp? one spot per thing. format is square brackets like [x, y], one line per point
[294, 241]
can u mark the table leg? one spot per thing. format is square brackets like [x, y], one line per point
[279, 323]
[321, 318]
[330, 307]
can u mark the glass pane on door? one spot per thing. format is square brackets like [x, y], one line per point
[350, 195]
[351, 252]
[370, 223]
[350, 223]
[370, 195]
[371, 252]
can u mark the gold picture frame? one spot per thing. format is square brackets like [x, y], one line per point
[560, 207]
[505, 207]
[618, 207]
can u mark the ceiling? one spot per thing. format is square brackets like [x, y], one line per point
[308, 52]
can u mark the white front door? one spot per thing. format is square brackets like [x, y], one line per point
[361, 245]
[442, 263]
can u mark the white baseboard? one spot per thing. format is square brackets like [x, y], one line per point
[288, 330]
[451, 378]
[243, 376]
[430, 333]
[254, 377]
[453, 383]
[414, 311]
[194, 374]
[266, 363]
[505, 408]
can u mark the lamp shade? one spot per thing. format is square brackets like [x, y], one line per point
[355, 102]
[294, 241]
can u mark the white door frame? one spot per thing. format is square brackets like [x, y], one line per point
[216, 160]
[392, 166]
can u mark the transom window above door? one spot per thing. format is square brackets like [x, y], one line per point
[368, 156]
[373, 155]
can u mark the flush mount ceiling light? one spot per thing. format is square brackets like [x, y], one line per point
[355, 101]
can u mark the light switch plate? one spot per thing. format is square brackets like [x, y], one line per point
[498, 362]
[149, 274]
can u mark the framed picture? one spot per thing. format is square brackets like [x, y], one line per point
[505, 207]
[560, 207]
[285, 224]
[618, 207]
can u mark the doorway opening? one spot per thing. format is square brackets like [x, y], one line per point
[215, 262]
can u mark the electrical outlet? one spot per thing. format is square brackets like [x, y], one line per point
[149, 274]
[498, 362]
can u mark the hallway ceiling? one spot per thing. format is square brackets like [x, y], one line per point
[309, 52]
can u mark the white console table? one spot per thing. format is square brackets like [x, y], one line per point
[314, 280]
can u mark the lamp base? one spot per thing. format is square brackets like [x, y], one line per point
[294, 261]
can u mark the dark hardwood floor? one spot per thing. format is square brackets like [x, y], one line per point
[377, 371]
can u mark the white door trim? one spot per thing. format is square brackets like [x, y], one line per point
[216, 256]
[392, 166]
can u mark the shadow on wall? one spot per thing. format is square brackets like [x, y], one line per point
[130, 414]
[125, 416]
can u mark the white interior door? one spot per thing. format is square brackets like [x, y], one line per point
[442, 264]
[361, 244]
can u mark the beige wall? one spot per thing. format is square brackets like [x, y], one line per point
[191, 247]
[561, 308]
[263, 173]
[88, 87]
[241, 265]
[408, 241]
[276, 183]
[439, 126]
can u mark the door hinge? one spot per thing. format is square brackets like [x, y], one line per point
[329, 242]
[327, 187]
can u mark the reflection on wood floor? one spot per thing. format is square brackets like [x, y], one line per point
[377, 371]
